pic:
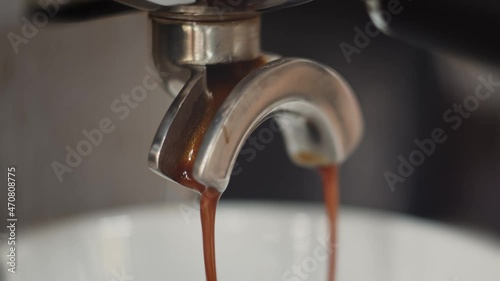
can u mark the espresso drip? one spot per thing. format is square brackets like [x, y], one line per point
[221, 79]
[208, 207]
[329, 176]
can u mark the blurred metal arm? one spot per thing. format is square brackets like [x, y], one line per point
[464, 27]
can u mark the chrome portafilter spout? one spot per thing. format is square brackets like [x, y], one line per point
[315, 108]
[224, 87]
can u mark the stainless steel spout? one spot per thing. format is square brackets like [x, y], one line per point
[315, 108]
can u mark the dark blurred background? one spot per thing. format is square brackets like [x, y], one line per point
[66, 77]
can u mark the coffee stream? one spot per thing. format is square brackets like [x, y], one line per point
[221, 79]
[329, 176]
[208, 205]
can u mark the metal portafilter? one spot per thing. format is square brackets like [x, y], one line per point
[225, 86]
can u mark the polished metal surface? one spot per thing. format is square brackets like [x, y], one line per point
[316, 109]
[210, 42]
[152, 5]
[319, 116]
[222, 6]
[177, 44]
[165, 142]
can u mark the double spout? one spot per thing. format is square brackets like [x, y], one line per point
[229, 88]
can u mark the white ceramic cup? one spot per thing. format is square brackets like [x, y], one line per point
[255, 242]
